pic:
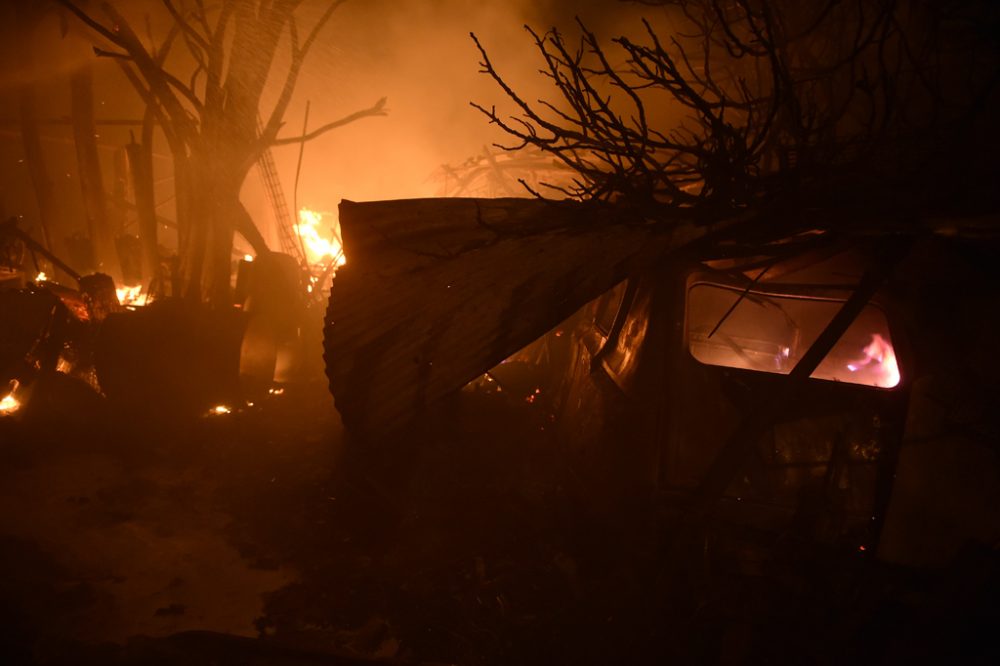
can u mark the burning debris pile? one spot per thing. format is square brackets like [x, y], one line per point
[146, 351]
[322, 252]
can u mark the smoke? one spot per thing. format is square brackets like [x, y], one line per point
[418, 54]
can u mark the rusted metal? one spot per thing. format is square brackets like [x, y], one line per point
[437, 291]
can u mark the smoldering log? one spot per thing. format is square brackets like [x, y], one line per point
[436, 291]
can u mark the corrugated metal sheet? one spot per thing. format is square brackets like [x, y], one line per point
[437, 291]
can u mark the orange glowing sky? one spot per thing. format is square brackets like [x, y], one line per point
[417, 53]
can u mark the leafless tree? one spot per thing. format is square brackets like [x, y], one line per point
[740, 104]
[491, 174]
[212, 117]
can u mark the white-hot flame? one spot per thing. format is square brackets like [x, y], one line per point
[41, 277]
[321, 248]
[9, 404]
[880, 360]
[132, 295]
[220, 409]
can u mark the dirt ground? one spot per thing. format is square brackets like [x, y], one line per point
[266, 536]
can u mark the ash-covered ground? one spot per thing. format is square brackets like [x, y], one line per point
[266, 536]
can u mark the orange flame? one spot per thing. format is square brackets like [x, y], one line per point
[133, 296]
[9, 404]
[320, 248]
[880, 360]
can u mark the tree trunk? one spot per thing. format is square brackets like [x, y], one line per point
[34, 158]
[219, 258]
[91, 181]
[194, 220]
[212, 217]
[140, 163]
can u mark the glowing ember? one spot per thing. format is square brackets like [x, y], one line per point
[319, 248]
[220, 409]
[9, 405]
[131, 295]
[248, 258]
[880, 361]
[41, 277]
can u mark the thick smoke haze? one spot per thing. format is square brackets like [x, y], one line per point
[417, 53]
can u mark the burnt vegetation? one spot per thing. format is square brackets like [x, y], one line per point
[765, 109]
[524, 458]
[208, 104]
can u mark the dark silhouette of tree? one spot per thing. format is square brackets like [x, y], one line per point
[759, 106]
[26, 16]
[212, 117]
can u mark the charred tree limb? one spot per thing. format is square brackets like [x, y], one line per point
[10, 227]
[377, 109]
[299, 54]
[767, 102]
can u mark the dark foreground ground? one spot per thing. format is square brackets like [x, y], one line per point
[263, 537]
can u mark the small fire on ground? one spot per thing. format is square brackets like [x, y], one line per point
[9, 403]
[133, 296]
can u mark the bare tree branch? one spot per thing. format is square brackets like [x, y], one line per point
[763, 96]
[186, 27]
[273, 124]
[378, 109]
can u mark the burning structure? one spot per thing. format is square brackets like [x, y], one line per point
[747, 305]
[692, 370]
[213, 128]
[762, 235]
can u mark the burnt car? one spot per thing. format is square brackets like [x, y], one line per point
[888, 447]
[667, 364]
[812, 383]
